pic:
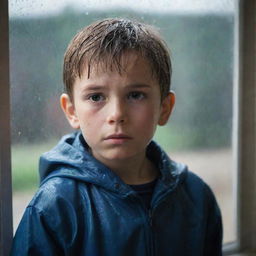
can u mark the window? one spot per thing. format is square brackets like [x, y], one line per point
[200, 130]
[41, 101]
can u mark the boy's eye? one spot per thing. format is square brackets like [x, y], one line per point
[136, 95]
[96, 97]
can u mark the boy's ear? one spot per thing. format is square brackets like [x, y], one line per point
[166, 108]
[69, 110]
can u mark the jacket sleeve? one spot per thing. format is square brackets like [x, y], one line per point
[214, 232]
[33, 237]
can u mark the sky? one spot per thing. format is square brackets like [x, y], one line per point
[46, 7]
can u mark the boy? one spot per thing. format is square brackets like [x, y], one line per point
[108, 189]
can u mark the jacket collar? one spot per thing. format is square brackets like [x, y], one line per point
[71, 159]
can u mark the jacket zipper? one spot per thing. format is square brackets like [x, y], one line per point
[148, 213]
[151, 235]
[150, 219]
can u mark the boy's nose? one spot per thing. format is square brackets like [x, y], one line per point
[117, 112]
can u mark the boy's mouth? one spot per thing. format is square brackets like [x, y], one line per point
[118, 138]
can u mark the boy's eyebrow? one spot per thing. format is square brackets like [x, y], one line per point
[94, 88]
[101, 87]
[139, 85]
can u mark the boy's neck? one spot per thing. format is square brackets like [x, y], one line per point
[135, 174]
[138, 170]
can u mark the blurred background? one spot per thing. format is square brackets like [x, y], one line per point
[201, 40]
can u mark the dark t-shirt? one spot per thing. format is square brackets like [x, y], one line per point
[145, 191]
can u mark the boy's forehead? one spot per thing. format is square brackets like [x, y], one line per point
[119, 64]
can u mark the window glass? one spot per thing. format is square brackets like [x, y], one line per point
[201, 39]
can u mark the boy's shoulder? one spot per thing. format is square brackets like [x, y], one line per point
[198, 191]
[53, 195]
[194, 182]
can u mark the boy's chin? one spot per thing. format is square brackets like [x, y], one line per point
[116, 155]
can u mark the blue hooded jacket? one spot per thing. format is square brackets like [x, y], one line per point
[83, 209]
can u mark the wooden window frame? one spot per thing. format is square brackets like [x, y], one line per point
[6, 228]
[245, 130]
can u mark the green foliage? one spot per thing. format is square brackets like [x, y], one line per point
[174, 138]
[25, 158]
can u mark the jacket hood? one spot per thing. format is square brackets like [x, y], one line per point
[70, 158]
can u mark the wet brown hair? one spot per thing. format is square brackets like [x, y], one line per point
[105, 42]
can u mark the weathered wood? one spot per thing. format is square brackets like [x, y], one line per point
[5, 155]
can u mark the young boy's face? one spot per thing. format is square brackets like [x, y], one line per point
[118, 113]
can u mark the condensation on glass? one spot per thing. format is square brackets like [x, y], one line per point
[200, 36]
